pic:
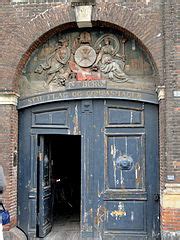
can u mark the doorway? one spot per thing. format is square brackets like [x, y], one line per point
[59, 182]
[113, 157]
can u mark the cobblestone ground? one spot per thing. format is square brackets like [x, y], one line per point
[14, 234]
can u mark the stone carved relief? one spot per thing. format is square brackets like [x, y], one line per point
[91, 55]
[85, 61]
[108, 60]
[56, 65]
[85, 56]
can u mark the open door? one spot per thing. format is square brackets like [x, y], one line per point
[44, 185]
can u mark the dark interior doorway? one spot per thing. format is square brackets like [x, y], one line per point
[65, 175]
[59, 183]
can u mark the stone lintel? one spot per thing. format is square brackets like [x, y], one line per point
[9, 98]
[171, 196]
[172, 188]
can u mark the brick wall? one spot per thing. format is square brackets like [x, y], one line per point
[8, 147]
[171, 84]
[171, 194]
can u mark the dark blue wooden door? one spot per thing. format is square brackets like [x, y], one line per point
[119, 167]
[44, 205]
[126, 171]
[35, 125]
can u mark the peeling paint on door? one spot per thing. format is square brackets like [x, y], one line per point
[76, 122]
[118, 214]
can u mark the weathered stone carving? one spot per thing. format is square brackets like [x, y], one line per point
[93, 55]
[85, 38]
[109, 61]
[83, 59]
[84, 62]
[56, 66]
[85, 56]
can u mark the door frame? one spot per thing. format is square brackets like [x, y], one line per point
[33, 137]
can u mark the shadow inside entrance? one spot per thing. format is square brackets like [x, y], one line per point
[65, 152]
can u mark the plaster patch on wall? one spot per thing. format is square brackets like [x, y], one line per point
[176, 93]
[171, 201]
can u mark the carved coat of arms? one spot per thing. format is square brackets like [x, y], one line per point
[85, 60]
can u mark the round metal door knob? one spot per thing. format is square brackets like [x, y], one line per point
[124, 162]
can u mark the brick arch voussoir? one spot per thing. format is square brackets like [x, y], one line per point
[37, 30]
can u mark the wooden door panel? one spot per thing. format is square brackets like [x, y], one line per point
[119, 171]
[130, 166]
[58, 117]
[44, 187]
[125, 216]
[125, 161]
[120, 117]
[121, 237]
[87, 193]
[120, 114]
[47, 211]
[32, 216]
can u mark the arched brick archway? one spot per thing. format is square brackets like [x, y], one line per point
[26, 26]
[36, 30]
[102, 17]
